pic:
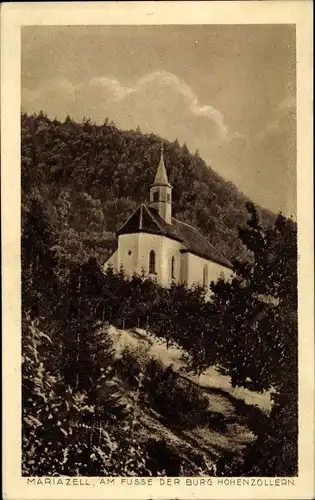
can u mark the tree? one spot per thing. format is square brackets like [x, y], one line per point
[256, 337]
[39, 263]
[162, 321]
[63, 432]
[53, 415]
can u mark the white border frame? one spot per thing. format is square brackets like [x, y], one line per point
[176, 12]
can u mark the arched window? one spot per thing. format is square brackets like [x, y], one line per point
[205, 275]
[152, 262]
[173, 267]
[156, 196]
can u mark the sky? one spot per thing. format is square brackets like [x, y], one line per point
[227, 90]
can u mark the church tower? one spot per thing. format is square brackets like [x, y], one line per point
[161, 192]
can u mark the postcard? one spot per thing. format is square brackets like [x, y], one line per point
[157, 250]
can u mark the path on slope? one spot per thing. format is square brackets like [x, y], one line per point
[233, 408]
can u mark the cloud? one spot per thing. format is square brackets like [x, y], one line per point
[160, 82]
[169, 82]
[158, 102]
[118, 90]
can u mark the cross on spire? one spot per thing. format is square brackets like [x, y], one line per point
[162, 153]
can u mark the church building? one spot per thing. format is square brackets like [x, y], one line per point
[166, 249]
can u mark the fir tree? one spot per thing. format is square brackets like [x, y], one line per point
[257, 329]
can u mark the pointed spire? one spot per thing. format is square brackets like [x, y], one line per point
[161, 175]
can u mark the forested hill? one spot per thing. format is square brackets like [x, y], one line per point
[89, 179]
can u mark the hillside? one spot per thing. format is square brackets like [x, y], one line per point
[232, 412]
[91, 178]
[121, 402]
[141, 340]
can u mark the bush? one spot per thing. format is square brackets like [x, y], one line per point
[163, 460]
[132, 362]
[63, 434]
[180, 401]
[167, 460]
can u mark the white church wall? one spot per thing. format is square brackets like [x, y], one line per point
[164, 249]
[148, 243]
[171, 248]
[196, 267]
[128, 253]
[184, 267]
[133, 254]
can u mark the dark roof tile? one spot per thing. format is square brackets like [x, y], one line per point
[146, 219]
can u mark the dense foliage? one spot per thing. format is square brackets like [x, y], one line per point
[92, 178]
[75, 415]
[258, 310]
[180, 401]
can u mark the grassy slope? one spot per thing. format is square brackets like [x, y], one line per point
[233, 409]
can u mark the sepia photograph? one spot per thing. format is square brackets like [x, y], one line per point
[159, 275]
[159, 250]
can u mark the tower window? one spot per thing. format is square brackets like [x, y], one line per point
[156, 196]
[168, 197]
[205, 275]
[173, 268]
[152, 262]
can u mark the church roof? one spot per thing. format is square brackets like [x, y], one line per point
[146, 219]
[161, 175]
